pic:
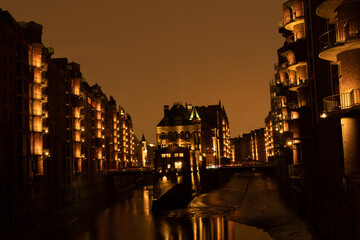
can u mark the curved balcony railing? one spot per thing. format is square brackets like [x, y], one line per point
[350, 30]
[327, 39]
[293, 16]
[342, 101]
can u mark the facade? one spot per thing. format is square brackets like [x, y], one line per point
[312, 130]
[177, 165]
[250, 146]
[269, 139]
[180, 126]
[58, 135]
[258, 145]
[215, 134]
[201, 129]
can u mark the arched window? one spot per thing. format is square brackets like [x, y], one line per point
[163, 135]
[182, 134]
[187, 134]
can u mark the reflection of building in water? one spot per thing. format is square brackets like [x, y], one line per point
[216, 228]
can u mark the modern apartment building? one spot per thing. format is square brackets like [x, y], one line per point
[314, 119]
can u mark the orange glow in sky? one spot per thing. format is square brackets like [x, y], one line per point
[150, 53]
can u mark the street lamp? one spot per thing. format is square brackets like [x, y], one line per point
[290, 145]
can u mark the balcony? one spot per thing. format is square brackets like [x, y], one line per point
[297, 48]
[342, 102]
[326, 8]
[295, 18]
[77, 101]
[292, 105]
[45, 113]
[339, 40]
[300, 83]
[44, 82]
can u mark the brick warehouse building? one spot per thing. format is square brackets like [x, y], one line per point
[204, 130]
[58, 135]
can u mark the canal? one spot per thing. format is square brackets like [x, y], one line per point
[248, 207]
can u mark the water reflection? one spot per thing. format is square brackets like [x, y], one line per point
[199, 228]
[130, 217]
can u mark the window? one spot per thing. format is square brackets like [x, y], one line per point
[182, 135]
[178, 165]
[176, 155]
[169, 165]
[181, 154]
[163, 135]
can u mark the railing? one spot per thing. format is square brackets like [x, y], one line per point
[342, 101]
[327, 39]
[350, 30]
[296, 170]
[293, 16]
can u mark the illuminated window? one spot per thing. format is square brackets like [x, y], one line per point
[181, 154]
[169, 166]
[178, 165]
[176, 155]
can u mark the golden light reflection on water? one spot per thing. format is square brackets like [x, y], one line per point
[146, 202]
[131, 218]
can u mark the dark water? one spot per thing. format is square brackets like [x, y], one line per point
[129, 216]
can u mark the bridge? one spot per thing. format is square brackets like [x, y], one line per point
[195, 183]
[234, 167]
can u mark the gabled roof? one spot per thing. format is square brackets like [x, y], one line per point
[194, 114]
[176, 115]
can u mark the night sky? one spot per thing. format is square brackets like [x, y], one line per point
[149, 53]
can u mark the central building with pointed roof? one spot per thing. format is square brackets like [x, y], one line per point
[203, 130]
